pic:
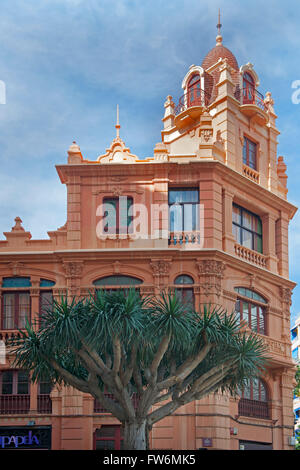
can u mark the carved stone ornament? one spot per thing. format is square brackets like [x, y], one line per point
[211, 274]
[160, 267]
[16, 268]
[73, 268]
[286, 295]
[206, 135]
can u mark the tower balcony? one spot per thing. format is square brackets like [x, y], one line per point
[190, 106]
[253, 105]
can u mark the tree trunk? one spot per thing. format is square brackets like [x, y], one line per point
[135, 435]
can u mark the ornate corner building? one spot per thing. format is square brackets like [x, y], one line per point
[207, 215]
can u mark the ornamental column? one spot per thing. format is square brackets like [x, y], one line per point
[73, 270]
[228, 238]
[269, 241]
[211, 273]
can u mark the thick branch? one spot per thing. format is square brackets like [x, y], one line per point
[164, 344]
[185, 369]
[201, 387]
[68, 377]
[117, 355]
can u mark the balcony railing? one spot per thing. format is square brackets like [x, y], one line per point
[14, 404]
[98, 407]
[185, 238]
[254, 408]
[251, 174]
[7, 335]
[253, 96]
[250, 255]
[193, 97]
[44, 404]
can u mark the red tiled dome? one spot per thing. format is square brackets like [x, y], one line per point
[218, 52]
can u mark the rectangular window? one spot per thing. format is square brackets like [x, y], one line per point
[252, 315]
[14, 382]
[46, 302]
[15, 310]
[118, 215]
[250, 153]
[186, 295]
[247, 228]
[184, 210]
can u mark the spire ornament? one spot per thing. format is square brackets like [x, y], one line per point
[118, 127]
[219, 26]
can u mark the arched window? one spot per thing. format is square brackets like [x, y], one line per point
[184, 279]
[248, 88]
[251, 309]
[254, 399]
[194, 91]
[117, 281]
[184, 289]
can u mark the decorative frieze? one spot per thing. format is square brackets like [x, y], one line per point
[160, 269]
[73, 268]
[286, 295]
[211, 273]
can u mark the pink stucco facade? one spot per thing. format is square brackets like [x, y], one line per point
[202, 148]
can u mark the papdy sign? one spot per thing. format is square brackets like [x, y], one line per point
[25, 437]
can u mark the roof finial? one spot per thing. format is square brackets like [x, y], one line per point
[219, 26]
[118, 125]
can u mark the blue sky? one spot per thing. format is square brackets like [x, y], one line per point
[67, 63]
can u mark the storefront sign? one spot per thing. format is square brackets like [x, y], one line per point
[25, 437]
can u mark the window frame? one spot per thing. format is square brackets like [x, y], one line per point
[194, 89]
[16, 308]
[117, 230]
[246, 153]
[117, 437]
[44, 290]
[257, 304]
[261, 384]
[243, 228]
[248, 88]
[184, 288]
[196, 222]
[249, 321]
[15, 382]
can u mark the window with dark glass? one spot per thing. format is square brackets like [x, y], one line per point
[250, 153]
[251, 309]
[184, 210]
[117, 282]
[118, 215]
[46, 303]
[14, 382]
[15, 303]
[194, 91]
[184, 290]
[14, 392]
[15, 310]
[254, 399]
[247, 228]
[108, 437]
[248, 88]
[44, 402]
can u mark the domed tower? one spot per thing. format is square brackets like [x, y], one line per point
[211, 66]
[220, 116]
